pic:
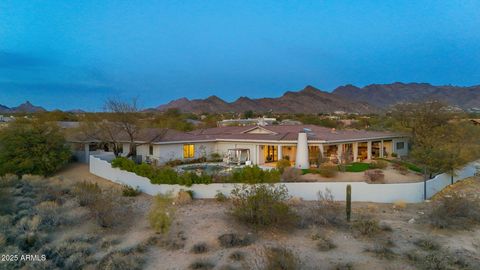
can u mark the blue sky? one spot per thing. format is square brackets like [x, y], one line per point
[75, 54]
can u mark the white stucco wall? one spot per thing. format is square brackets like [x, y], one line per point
[400, 152]
[361, 191]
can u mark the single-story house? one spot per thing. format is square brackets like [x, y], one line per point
[304, 145]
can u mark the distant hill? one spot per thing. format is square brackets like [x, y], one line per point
[349, 98]
[308, 100]
[385, 95]
[372, 98]
[26, 107]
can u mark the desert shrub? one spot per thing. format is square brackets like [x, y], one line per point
[379, 164]
[282, 164]
[344, 266]
[68, 255]
[190, 178]
[183, 197]
[281, 258]
[291, 174]
[366, 226]
[254, 174]
[174, 241]
[327, 170]
[129, 191]
[3, 240]
[237, 255]
[174, 162]
[124, 163]
[399, 204]
[201, 247]
[374, 176]
[427, 244]
[165, 175]
[30, 241]
[108, 209]
[325, 244]
[122, 260]
[145, 170]
[86, 192]
[220, 197]
[327, 211]
[262, 206]
[161, 213]
[381, 250]
[437, 259]
[385, 227]
[201, 264]
[161, 175]
[230, 240]
[215, 157]
[455, 211]
[177, 162]
[49, 212]
[6, 198]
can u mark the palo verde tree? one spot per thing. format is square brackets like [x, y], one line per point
[31, 147]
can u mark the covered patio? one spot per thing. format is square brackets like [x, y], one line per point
[238, 156]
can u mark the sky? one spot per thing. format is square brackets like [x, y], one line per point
[76, 54]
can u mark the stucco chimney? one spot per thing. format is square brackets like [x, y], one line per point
[301, 160]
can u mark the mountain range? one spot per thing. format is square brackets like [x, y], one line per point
[349, 98]
[26, 107]
[372, 98]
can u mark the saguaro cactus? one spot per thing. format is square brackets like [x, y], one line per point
[349, 202]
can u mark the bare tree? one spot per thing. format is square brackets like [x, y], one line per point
[120, 123]
[124, 118]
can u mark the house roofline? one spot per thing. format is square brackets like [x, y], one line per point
[258, 141]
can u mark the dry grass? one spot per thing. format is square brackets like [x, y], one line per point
[400, 204]
[455, 211]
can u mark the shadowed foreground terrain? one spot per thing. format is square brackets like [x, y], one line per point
[58, 218]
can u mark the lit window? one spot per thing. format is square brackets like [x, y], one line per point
[150, 150]
[188, 151]
[400, 145]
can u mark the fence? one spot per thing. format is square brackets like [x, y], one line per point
[361, 191]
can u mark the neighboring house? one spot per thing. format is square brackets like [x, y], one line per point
[6, 119]
[261, 121]
[289, 122]
[68, 124]
[302, 144]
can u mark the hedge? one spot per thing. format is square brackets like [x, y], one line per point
[167, 175]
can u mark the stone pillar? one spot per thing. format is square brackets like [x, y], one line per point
[301, 160]
[320, 147]
[381, 149]
[369, 150]
[355, 151]
[86, 149]
[339, 152]
[258, 152]
[279, 152]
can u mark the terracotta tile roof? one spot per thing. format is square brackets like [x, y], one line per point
[284, 133]
[278, 133]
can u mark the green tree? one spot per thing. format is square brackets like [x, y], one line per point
[32, 148]
[248, 114]
[440, 142]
